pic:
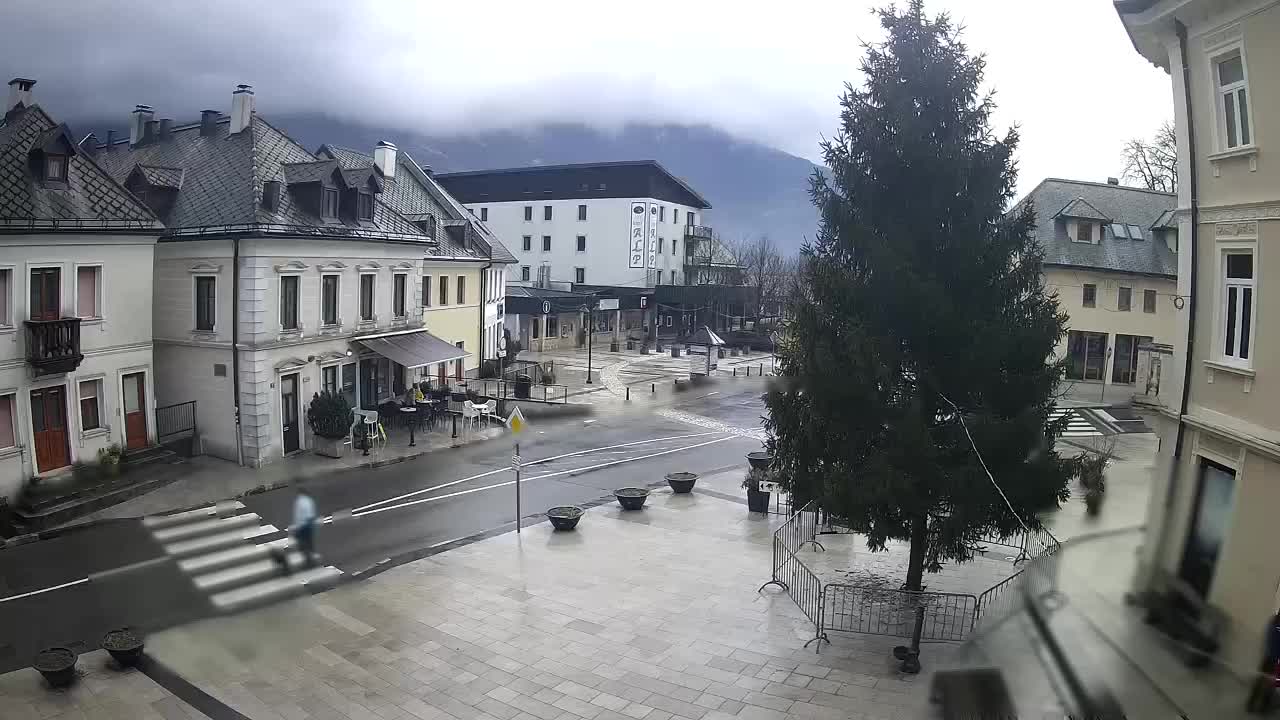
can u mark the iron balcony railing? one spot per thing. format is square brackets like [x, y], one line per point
[53, 346]
[698, 232]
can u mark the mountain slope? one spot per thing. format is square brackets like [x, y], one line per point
[753, 189]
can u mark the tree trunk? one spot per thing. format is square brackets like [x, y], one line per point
[919, 544]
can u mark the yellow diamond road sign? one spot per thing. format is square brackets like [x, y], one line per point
[516, 421]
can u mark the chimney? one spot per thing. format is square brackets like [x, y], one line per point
[384, 158]
[165, 125]
[138, 123]
[19, 92]
[111, 138]
[241, 108]
[89, 145]
[208, 122]
[149, 131]
[1113, 181]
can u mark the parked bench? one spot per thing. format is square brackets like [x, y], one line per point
[1177, 609]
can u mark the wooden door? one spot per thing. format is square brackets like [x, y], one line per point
[46, 293]
[49, 425]
[135, 410]
[289, 412]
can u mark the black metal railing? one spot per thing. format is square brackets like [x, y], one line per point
[946, 617]
[173, 421]
[503, 389]
[789, 571]
[699, 232]
[53, 346]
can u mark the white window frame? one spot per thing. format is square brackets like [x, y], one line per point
[1120, 295]
[6, 450]
[1220, 336]
[103, 426]
[336, 367]
[360, 318]
[1083, 300]
[1155, 300]
[1216, 56]
[11, 323]
[407, 303]
[580, 275]
[280, 303]
[526, 273]
[195, 301]
[98, 283]
[337, 301]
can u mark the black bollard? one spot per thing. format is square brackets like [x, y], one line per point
[653, 388]
[735, 372]
[761, 373]
[748, 371]
[412, 425]
[628, 392]
[455, 427]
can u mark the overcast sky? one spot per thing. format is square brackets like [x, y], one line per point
[1064, 71]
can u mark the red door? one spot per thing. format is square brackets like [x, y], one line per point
[49, 423]
[46, 294]
[135, 411]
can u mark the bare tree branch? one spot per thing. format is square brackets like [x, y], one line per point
[1154, 164]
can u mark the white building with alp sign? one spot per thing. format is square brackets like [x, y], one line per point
[620, 224]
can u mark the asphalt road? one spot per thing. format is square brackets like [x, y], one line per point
[113, 574]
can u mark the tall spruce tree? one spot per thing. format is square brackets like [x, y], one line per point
[917, 293]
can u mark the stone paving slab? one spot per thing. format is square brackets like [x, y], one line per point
[102, 692]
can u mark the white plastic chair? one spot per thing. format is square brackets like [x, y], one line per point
[470, 415]
[487, 411]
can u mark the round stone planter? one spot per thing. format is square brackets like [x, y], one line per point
[565, 517]
[682, 482]
[759, 460]
[124, 645]
[631, 498]
[57, 665]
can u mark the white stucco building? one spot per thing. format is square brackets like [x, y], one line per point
[75, 302]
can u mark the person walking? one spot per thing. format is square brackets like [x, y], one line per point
[304, 525]
[1264, 684]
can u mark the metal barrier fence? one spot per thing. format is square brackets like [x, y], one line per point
[500, 389]
[881, 611]
[176, 427]
[790, 573]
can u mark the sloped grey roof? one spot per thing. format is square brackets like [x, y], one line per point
[306, 172]
[1117, 204]
[89, 194]
[165, 177]
[1165, 220]
[1080, 208]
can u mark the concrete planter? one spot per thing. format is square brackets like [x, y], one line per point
[565, 517]
[328, 447]
[57, 665]
[631, 498]
[682, 482]
[124, 645]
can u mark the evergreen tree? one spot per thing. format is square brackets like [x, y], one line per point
[917, 293]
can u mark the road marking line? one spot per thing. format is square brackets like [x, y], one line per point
[523, 464]
[540, 477]
[81, 581]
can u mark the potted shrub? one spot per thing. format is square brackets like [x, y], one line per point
[1093, 467]
[631, 498]
[330, 418]
[124, 645]
[682, 482]
[565, 517]
[57, 665]
[109, 460]
[760, 459]
[759, 485]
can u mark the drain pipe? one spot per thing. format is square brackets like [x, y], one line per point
[235, 344]
[1181, 31]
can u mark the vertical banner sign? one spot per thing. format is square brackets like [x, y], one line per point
[637, 243]
[653, 235]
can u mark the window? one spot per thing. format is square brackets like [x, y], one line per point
[675, 216]
[329, 203]
[579, 275]
[289, 302]
[582, 243]
[88, 291]
[349, 383]
[206, 302]
[399, 286]
[364, 206]
[431, 227]
[1090, 295]
[1119, 231]
[328, 299]
[1233, 104]
[1084, 232]
[367, 282]
[426, 291]
[90, 416]
[524, 273]
[462, 289]
[526, 243]
[1237, 305]
[662, 246]
[444, 289]
[662, 213]
[329, 379]
[457, 364]
[1148, 301]
[546, 212]
[546, 243]
[582, 212]
[673, 246]
[6, 290]
[55, 167]
[8, 438]
[1124, 300]
[46, 293]
[484, 214]
[1135, 232]
[673, 277]
[528, 214]
[668, 321]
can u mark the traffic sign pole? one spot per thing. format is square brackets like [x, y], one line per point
[516, 423]
[516, 461]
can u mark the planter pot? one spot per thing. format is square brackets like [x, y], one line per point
[57, 665]
[631, 498]
[759, 460]
[329, 447]
[124, 645]
[565, 517]
[682, 482]
[631, 345]
[675, 351]
[613, 346]
[757, 501]
[644, 349]
[1092, 503]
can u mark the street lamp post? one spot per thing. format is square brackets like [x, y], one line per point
[590, 309]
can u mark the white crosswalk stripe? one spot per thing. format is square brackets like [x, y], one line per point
[1077, 426]
[234, 558]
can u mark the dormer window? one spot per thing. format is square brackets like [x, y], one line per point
[55, 167]
[1084, 232]
[329, 203]
[364, 206]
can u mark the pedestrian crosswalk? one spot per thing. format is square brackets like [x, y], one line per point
[231, 556]
[1077, 425]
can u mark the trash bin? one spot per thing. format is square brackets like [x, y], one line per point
[523, 385]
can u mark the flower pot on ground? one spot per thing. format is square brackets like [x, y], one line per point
[57, 665]
[631, 498]
[330, 418]
[682, 482]
[758, 484]
[124, 645]
[109, 460]
[1093, 467]
[565, 517]
[759, 460]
